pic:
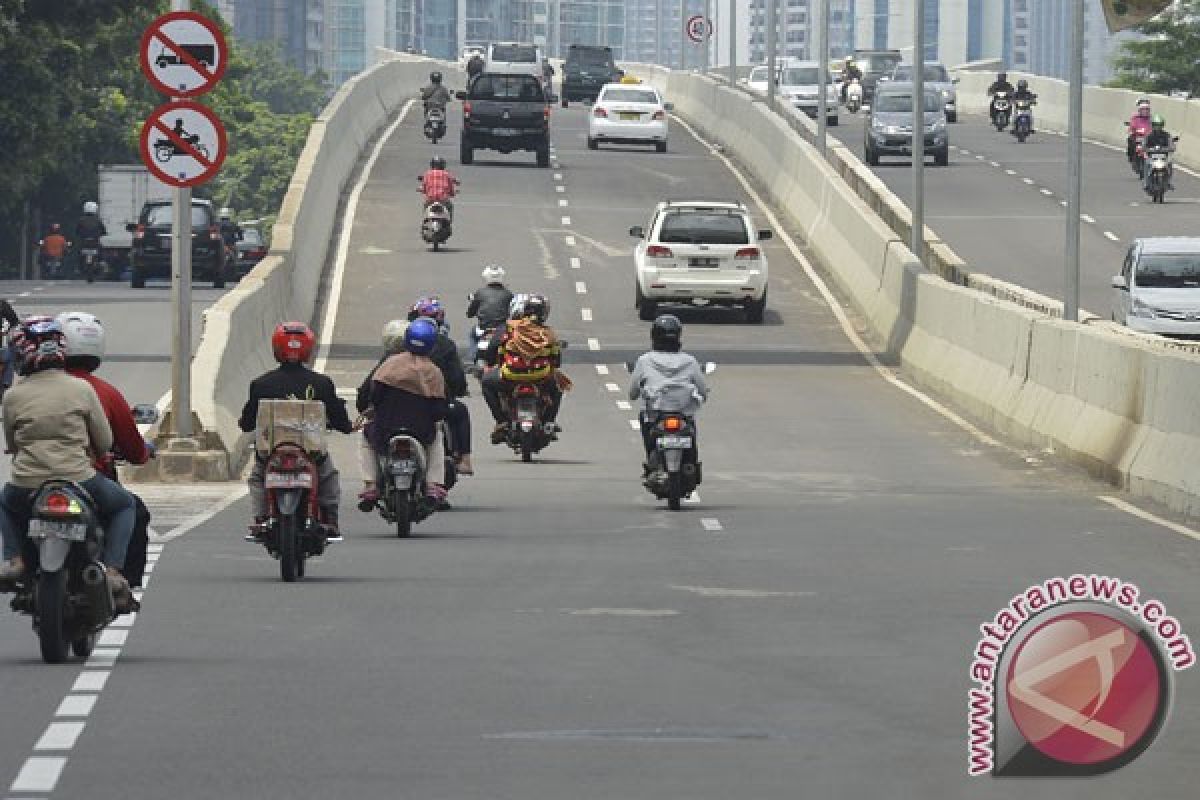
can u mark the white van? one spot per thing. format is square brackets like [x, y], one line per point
[512, 57]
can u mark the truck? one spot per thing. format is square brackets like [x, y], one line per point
[505, 111]
[124, 189]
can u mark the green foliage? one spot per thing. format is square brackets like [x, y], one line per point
[1169, 58]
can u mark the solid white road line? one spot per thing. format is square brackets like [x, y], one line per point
[1133, 510]
[339, 263]
[575, 263]
[60, 736]
[586, 314]
[39, 774]
[1112, 236]
[580, 287]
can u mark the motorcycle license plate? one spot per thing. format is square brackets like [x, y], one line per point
[88, 251]
[404, 467]
[71, 531]
[675, 442]
[286, 480]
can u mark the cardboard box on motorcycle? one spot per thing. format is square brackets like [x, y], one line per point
[298, 422]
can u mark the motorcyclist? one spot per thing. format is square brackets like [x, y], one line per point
[292, 344]
[1023, 93]
[435, 95]
[666, 379]
[408, 391]
[445, 355]
[84, 335]
[53, 247]
[1139, 127]
[231, 234]
[1158, 139]
[475, 66]
[439, 185]
[90, 227]
[8, 354]
[488, 305]
[52, 422]
[850, 72]
[1001, 84]
[524, 350]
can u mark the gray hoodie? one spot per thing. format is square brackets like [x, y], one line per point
[668, 382]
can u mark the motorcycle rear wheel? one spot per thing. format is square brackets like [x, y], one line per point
[674, 491]
[403, 516]
[84, 645]
[51, 610]
[289, 549]
[526, 447]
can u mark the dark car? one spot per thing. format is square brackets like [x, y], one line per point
[505, 111]
[586, 70]
[874, 65]
[250, 250]
[151, 253]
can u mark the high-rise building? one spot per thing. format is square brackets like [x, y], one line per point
[353, 29]
[297, 26]
[595, 22]
[796, 37]
[429, 27]
[1041, 40]
[956, 31]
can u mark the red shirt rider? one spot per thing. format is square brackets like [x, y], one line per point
[437, 185]
[127, 439]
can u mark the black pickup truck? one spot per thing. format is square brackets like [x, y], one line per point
[505, 111]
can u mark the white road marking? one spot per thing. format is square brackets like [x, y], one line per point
[89, 681]
[560, 188]
[1088, 218]
[343, 247]
[593, 344]
[586, 314]
[112, 638]
[563, 203]
[838, 312]
[558, 176]
[693, 499]
[570, 241]
[995, 163]
[1112, 236]
[1062, 203]
[76, 705]
[710, 591]
[1010, 172]
[60, 736]
[105, 656]
[612, 387]
[24, 294]
[580, 287]
[979, 158]
[711, 524]
[575, 262]
[601, 369]
[1047, 192]
[1028, 181]
[633, 423]
[964, 151]
[1133, 510]
[566, 221]
[39, 774]
[625, 405]
[197, 521]
[620, 612]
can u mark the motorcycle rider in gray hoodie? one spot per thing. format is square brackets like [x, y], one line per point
[666, 379]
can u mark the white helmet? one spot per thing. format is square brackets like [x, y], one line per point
[516, 308]
[393, 335]
[493, 273]
[226, 213]
[84, 334]
[90, 207]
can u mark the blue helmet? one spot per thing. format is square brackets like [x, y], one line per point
[421, 336]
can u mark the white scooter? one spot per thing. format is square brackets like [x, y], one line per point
[854, 96]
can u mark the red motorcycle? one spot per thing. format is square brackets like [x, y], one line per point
[293, 531]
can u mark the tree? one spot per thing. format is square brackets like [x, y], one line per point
[1168, 58]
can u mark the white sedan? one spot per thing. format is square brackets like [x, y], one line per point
[629, 114]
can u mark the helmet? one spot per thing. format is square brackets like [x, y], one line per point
[666, 333]
[516, 306]
[55, 228]
[437, 162]
[435, 77]
[428, 307]
[293, 342]
[1157, 121]
[393, 335]
[84, 336]
[1022, 85]
[421, 336]
[1143, 107]
[538, 307]
[1001, 77]
[493, 273]
[39, 344]
[90, 207]
[226, 213]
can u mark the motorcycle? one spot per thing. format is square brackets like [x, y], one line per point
[1158, 166]
[1001, 110]
[166, 149]
[1023, 124]
[673, 469]
[89, 261]
[527, 432]
[1135, 147]
[436, 226]
[402, 499]
[292, 532]
[854, 96]
[52, 267]
[435, 124]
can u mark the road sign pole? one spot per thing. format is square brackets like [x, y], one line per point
[731, 24]
[181, 302]
[822, 68]
[1074, 165]
[918, 131]
[771, 33]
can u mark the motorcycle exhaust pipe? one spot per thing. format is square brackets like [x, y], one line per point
[101, 608]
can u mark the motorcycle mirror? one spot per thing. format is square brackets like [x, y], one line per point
[145, 414]
[709, 367]
[131, 227]
[629, 367]
[460, 95]
[1126, 123]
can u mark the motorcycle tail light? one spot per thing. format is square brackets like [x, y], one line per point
[673, 424]
[546, 113]
[214, 232]
[60, 504]
[467, 110]
[526, 390]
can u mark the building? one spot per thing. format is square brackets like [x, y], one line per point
[956, 31]
[595, 22]
[297, 26]
[1041, 36]
[353, 29]
[429, 27]
[796, 37]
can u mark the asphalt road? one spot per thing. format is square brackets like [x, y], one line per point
[804, 630]
[1001, 205]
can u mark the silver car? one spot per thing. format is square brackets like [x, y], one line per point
[799, 82]
[937, 79]
[890, 126]
[1158, 290]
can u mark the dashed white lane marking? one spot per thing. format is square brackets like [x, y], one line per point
[633, 423]
[39, 774]
[625, 405]
[566, 220]
[620, 612]
[1133, 510]
[1062, 203]
[570, 241]
[1047, 192]
[1088, 218]
[560, 188]
[575, 262]
[105, 657]
[593, 344]
[979, 158]
[711, 591]
[585, 314]
[558, 176]
[1010, 172]
[563, 203]
[1112, 236]
[91, 681]
[60, 736]
[612, 387]
[711, 524]
[112, 637]
[24, 294]
[580, 287]
[693, 499]
[601, 369]
[1028, 181]
[964, 151]
[76, 705]
[994, 163]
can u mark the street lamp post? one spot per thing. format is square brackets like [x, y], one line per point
[771, 33]
[731, 24]
[1074, 165]
[822, 70]
[918, 131]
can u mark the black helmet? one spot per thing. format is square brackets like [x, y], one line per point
[435, 77]
[666, 333]
[437, 162]
[538, 307]
[1002, 77]
[1022, 84]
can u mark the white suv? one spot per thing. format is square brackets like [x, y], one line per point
[700, 253]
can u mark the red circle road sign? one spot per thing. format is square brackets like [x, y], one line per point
[183, 143]
[699, 28]
[183, 54]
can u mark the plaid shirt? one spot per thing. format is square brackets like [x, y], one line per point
[438, 185]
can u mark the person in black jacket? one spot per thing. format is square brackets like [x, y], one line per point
[1001, 84]
[293, 344]
[489, 306]
[445, 355]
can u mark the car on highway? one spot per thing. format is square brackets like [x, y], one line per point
[1158, 290]
[521, 57]
[800, 83]
[756, 81]
[586, 70]
[889, 130]
[874, 65]
[700, 253]
[251, 249]
[937, 79]
[505, 111]
[151, 253]
[625, 114]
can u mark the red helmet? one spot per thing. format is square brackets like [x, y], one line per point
[293, 342]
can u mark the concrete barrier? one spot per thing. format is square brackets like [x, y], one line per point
[1119, 404]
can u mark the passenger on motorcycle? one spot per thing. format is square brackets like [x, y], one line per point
[439, 185]
[1001, 84]
[1159, 138]
[666, 379]
[435, 95]
[408, 392]
[489, 305]
[1023, 93]
[445, 355]
[524, 350]
[850, 71]
[292, 344]
[90, 227]
[231, 234]
[52, 422]
[84, 335]
[393, 343]
[1139, 126]
[53, 247]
